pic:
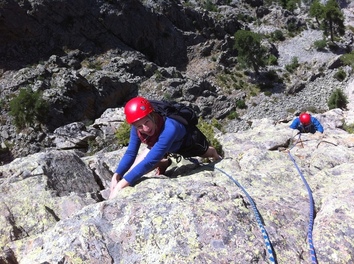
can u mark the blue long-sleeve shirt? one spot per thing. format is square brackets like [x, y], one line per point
[311, 128]
[169, 141]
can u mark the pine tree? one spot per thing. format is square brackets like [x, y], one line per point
[316, 11]
[250, 51]
[333, 19]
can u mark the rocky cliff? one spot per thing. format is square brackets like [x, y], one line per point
[206, 213]
[273, 191]
[89, 56]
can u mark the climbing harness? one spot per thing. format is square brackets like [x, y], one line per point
[255, 210]
[310, 227]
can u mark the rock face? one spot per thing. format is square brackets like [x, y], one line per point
[46, 27]
[90, 56]
[53, 212]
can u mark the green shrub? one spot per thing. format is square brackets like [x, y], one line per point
[233, 115]
[291, 5]
[254, 93]
[349, 128]
[94, 65]
[340, 75]
[245, 18]
[294, 64]
[222, 78]
[158, 76]
[320, 44]
[348, 59]
[272, 60]
[277, 35]
[92, 147]
[123, 134]
[167, 96]
[241, 104]
[208, 130]
[215, 123]
[291, 27]
[28, 108]
[337, 100]
[210, 6]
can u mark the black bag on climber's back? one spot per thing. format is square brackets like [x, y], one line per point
[177, 111]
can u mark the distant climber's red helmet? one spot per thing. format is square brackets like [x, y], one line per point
[305, 119]
[136, 109]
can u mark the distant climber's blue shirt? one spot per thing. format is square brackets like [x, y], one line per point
[170, 141]
[311, 128]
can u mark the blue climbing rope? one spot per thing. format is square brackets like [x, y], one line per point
[255, 210]
[258, 218]
[310, 227]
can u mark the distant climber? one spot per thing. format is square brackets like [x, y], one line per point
[306, 123]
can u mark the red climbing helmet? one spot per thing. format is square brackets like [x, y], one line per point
[137, 108]
[305, 119]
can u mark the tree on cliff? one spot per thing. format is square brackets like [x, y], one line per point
[333, 22]
[316, 11]
[250, 51]
[329, 16]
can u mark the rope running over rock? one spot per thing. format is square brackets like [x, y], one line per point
[268, 244]
[311, 215]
